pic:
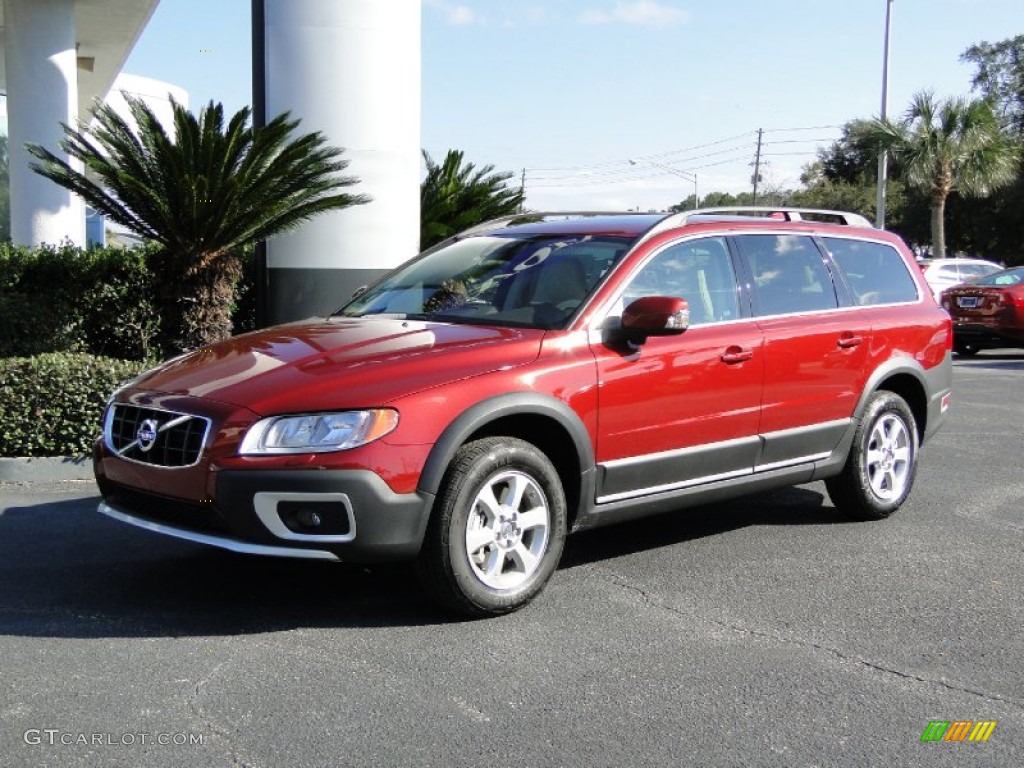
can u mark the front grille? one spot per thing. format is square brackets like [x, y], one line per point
[177, 513]
[155, 437]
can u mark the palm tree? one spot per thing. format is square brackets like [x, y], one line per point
[455, 196]
[202, 193]
[955, 145]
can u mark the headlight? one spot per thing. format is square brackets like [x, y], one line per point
[318, 432]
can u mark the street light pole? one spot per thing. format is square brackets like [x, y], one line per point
[688, 175]
[883, 157]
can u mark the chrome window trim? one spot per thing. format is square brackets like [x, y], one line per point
[265, 505]
[216, 541]
[108, 426]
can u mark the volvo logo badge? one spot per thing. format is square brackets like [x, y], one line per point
[147, 433]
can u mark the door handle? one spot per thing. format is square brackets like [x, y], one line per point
[736, 354]
[849, 341]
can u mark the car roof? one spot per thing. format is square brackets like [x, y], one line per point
[961, 260]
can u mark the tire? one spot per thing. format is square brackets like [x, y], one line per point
[497, 530]
[965, 349]
[879, 472]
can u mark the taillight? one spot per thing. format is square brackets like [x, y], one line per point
[1010, 299]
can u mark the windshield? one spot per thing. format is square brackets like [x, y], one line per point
[1009, 277]
[535, 281]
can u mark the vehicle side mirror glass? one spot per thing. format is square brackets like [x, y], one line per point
[655, 316]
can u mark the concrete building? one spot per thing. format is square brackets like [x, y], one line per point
[349, 68]
[58, 55]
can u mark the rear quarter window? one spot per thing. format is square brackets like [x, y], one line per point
[876, 272]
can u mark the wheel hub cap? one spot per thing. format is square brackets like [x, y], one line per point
[508, 533]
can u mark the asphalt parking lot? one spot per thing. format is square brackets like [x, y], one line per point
[763, 632]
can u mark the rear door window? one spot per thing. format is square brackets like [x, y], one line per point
[875, 272]
[789, 274]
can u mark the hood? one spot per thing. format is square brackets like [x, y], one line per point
[329, 363]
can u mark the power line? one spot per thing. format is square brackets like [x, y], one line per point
[685, 159]
[627, 169]
[808, 128]
[644, 157]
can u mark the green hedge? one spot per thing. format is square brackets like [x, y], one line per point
[51, 405]
[68, 300]
[101, 301]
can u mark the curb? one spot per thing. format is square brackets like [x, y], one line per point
[43, 469]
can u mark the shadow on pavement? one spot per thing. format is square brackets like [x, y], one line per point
[798, 505]
[997, 360]
[67, 571]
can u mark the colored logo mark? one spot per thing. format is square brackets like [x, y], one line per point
[958, 730]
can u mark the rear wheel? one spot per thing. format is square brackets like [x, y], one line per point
[880, 469]
[498, 528]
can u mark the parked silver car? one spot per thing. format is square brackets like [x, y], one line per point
[945, 273]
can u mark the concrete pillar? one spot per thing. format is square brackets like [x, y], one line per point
[351, 69]
[42, 92]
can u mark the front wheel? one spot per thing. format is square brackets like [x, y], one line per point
[879, 472]
[498, 528]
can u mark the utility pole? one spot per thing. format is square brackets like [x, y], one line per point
[757, 164]
[883, 158]
[522, 190]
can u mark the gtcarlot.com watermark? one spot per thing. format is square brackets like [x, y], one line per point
[54, 737]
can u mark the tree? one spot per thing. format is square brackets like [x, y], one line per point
[956, 144]
[202, 193]
[1000, 78]
[456, 195]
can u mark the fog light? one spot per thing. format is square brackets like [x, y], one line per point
[312, 518]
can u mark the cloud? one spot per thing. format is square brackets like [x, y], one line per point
[636, 12]
[454, 14]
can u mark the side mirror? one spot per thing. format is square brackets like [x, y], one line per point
[655, 316]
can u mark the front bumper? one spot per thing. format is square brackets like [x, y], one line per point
[349, 515]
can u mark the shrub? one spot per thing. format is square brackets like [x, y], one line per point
[101, 301]
[64, 299]
[51, 405]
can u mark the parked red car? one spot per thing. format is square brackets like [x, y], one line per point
[987, 312]
[539, 375]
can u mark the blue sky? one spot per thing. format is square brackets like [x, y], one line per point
[571, 90]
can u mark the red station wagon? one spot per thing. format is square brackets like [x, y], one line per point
[539, 375]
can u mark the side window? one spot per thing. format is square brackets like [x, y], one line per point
[970, 271]
[789, 274]
[699, 271]
[876, 272]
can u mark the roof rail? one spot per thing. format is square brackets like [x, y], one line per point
[504, 221]
[755, 211]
